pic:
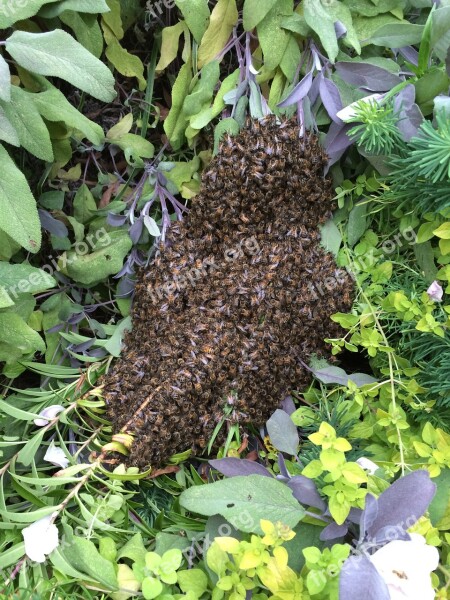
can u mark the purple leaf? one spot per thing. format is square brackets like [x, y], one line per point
[333, 531]
[284, 473]
[388, 534]
[288, 405]
[340, 29]
[410, 117]
[283, 433]
[366, 76]
[135, 231]
[337, 141]
[404, 502]
[411, 54]
[305, 491]
[369, 514]
[116, 220]
[299, 92]
[331, 98]
[337, 375]
[359, 580]
[313, 93]
[51, 224]
[232, 467]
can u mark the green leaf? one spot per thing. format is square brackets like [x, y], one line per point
[101, 262]
[127, 64]
[440, 506]
[396, 35]
[28, 452]
[12, 11]
[84, 556]
[81, 6]
[16, 333]
[330, 237]
[196, 13]
[86, 30]
[12, 555]
[53, 106]
[84, 204]
[5, 80]
[425, 44]
[244, 500]
[228, 125]
[18, 212]
[194, 581]
[5, 299]
[135, 144]
[175, 123]
[169, 45]
[23, 278]
[28, 123]
[7, 131]
[255, 11]
[223, 18]
[440, 33]
[56, 53]
[318, 18]
[134, 549]
[357, 223]
[272, 38]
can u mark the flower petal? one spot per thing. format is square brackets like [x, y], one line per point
[56, 456]
[40, 538]
[435, 292]
[48, 414]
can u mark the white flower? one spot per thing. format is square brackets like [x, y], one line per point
[40, 538]
[48, 414]
[56, 456]
[405, 567]
[435, 292]
[349, 111]
[367, 465]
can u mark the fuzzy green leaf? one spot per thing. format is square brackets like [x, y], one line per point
[7, 131]
[223, 18]
[5, 80]
[18, 212]
[23, 278]
[255, 11]
[196, 13]
[84, 556]
[12, 12]
[272, 38]
[53, 106]
[127, 64]
[56, 53]
[28, 123]
[81, 6]
[244, 500]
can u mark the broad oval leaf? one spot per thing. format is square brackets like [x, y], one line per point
[404, 502]
[283, 433]
[56, 53]
[233, 467]
[18, 212]
[28, 123]
[53, 106]
[13, 11]
[359, 580]
[196, 13]
[5, 80]
[244, 500]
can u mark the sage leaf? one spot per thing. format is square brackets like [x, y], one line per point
[56, 53]
[283, 433]
[53, 106]
[5, 80]
[81, 6]
[83, 556]
[17, 11]
[196, 13]
[255, 11]
[244, 500]
[18, 212]
[28, 123]
[23, 278]
[223, 18]
[7, 132]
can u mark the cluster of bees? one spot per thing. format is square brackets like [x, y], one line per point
[245, 328]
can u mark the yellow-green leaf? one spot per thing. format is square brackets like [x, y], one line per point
[170, 43]
[127, 64]
[443, 231]
[223, 18]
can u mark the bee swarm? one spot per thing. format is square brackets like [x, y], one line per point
[235, 302]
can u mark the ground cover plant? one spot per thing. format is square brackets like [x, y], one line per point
[121, 121]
